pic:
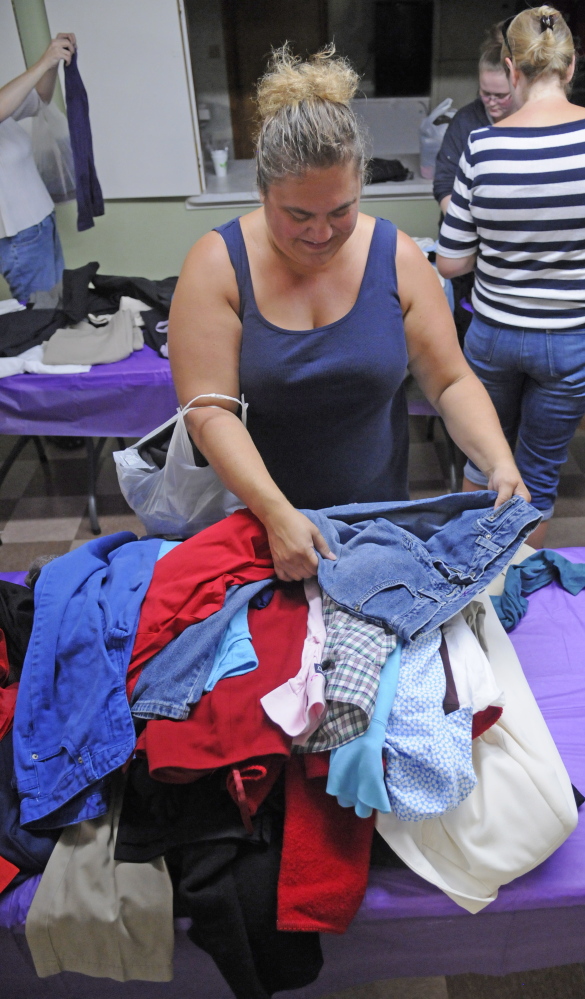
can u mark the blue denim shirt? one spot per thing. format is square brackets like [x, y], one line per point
[174, 679]
[72, 724]
[409, 566]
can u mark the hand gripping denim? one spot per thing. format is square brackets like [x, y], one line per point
[409, 566]
[72, 724]
[174, 678]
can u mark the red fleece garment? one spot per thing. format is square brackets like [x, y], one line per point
[325, 855]
[229, 724]
[190, 582]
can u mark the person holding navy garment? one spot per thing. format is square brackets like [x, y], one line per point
[314, 311]
[31, 258]
[517, 218]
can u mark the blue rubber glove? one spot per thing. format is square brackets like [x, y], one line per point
[356, 770]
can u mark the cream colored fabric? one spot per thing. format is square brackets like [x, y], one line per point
[98, 916]
[87, 344]
[522, 809]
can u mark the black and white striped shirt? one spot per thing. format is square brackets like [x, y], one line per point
[519, 200]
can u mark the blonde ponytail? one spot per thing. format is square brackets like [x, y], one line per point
[539, 42]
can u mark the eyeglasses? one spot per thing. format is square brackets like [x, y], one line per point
[488, 98]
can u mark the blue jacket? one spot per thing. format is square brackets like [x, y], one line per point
[72, 724]
[409, 566]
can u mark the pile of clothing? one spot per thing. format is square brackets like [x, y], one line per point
[86, 319]
[193, 738]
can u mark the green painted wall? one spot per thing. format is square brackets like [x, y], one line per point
[150, 237]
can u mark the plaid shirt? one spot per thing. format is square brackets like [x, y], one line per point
[354, 654]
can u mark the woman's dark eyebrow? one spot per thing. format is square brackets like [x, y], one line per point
[303, 211]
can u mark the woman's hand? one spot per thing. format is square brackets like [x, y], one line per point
[506, 480]
[293, 539]
[61, 48]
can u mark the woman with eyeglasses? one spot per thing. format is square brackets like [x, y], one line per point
[517, 216]
[495, 102]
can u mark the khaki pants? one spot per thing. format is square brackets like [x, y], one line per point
[98, 916]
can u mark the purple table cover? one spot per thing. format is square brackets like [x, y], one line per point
[405, 926]
[128, 398]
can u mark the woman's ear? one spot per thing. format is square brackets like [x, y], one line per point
[512, 72]
[570, 71]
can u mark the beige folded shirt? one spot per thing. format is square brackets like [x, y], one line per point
[88, 344]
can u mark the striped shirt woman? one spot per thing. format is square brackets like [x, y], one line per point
[519, 201]
[517, 216]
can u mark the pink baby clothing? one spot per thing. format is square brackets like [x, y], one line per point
[299, 705]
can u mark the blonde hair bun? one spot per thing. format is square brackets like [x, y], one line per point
[539, 41]
[288, 80]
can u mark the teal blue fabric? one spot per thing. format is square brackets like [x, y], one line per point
[356, 770]
[532, 574]
[166, 547]
[235, 654]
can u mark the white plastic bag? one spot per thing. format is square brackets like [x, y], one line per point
[52, 153]
[181, 498]
[431, 132]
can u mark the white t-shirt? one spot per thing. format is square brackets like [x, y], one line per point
[24, 199]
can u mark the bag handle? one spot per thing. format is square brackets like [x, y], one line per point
[216, 395]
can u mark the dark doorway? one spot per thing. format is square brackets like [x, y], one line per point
[403, 42]
[251, 29]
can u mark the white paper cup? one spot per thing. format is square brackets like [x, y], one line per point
[220, 157]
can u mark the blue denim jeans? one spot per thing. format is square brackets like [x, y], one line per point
[175, 677]
[536, 381]
[32, 260]
[409, 566]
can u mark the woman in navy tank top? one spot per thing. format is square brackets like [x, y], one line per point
[313, 311]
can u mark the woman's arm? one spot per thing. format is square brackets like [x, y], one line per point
[450, 267]
[204, 351]
[42, 76]
[438, 364]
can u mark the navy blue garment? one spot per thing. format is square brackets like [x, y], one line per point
[72, 724]
[411, 566]
[468, 118]
[174, 679]
[29, 851]
[532, 574]
[327, 406]
[87, 186]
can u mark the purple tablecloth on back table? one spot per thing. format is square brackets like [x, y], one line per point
[128, 398]
[406, 926]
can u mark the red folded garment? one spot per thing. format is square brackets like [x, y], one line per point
[228, 724]
[190, 582]
[7, 705]
[7, 872]
[325, 855]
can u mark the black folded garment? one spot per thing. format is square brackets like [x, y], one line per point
[379, 171]
[19, 331]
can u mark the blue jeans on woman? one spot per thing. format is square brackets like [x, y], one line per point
[536, 381]
[32, 260]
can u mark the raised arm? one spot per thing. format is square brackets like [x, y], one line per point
[41, 76]
[438, 364]
[204, 351]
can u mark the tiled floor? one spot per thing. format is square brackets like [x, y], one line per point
[44, 511]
